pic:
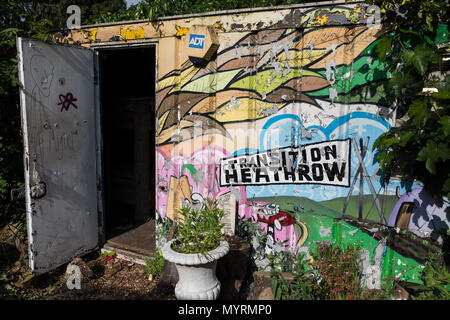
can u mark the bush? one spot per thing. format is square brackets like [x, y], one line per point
[305, 286]
[155, 264]
[341, 273]
[332, 273]
[200, 229]
[435, 278]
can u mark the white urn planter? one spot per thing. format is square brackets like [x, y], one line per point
[196, 272]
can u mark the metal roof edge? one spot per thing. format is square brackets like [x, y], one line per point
[228, 12]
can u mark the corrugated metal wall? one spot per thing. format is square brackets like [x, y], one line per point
[278, 126]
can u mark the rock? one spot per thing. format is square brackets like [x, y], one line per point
[169, 276]
[262, 285]
[400, 293]
[232, 268]
[265, 294]
[86, 272]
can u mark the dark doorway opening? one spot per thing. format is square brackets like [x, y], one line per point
[128, 133]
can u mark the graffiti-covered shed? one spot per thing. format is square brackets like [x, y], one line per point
[272, 111]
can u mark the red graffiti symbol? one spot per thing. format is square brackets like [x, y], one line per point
[66, 101]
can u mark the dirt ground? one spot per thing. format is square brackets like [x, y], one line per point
[109, 280]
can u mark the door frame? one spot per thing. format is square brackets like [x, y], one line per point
[98, 47]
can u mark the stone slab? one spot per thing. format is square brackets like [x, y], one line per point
[140, 240]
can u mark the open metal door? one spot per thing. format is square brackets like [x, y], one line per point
[58, 122]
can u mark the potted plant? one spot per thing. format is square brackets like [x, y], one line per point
[195, 249]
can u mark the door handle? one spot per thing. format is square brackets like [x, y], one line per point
[38, 190]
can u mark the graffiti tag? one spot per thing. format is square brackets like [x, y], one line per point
[66, 101]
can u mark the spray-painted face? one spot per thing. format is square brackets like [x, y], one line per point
[42, 73]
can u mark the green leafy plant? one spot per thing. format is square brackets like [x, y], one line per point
[105, 254]
[11, 163]
[338, 268]
[331, 273]
[304, 286]
[341, 274]
[199, 231]
[153, 9]
[281, 260]
[255, 235]
[417, 148]
[155, 264]
[281, 289]
[435, 278]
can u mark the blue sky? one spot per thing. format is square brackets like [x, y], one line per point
[131, 2]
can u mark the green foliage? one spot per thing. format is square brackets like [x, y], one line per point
[332, 273]
[279, 259]
[281, 289]
[200, 229]
[105, 254]
[305, 284]
[153, 9]
[161, 8]
[383, 48]
[138, 11]
[255, 235]
[155, 264]
[163, 229]
[341, 273]
[435, 278]
[417, 148]
[11, 163]
[53, 12]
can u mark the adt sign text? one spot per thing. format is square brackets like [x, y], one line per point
[196, 41]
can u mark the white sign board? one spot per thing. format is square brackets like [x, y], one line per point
[325, 163]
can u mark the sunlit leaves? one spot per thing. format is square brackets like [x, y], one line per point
[417, 148]
[200, 229]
